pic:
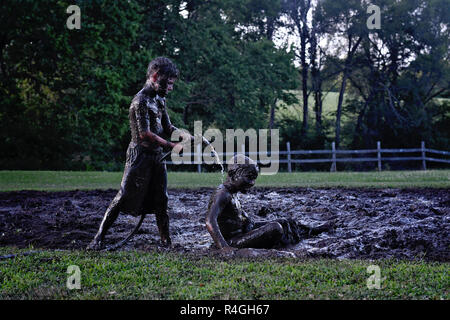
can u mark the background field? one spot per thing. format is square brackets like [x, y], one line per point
[82, 180]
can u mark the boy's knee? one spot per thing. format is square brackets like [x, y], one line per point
[277, 229]
[283, 222]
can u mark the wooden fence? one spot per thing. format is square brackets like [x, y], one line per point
[376, 155]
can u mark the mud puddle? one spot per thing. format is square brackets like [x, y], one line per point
[352, 223]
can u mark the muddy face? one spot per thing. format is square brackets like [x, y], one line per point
[164, 85]
[244, 182]
[241, 177]
[345, 223]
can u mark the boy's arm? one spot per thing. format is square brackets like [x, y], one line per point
[211, 220]
[167, 125]
[169, 128]
[143, 125]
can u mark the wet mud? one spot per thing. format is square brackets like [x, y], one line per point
[333, 223]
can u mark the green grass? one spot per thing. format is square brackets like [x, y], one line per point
[329, 105]
[139, 275]
[71, 180]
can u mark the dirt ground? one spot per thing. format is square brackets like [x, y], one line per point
[353, 223]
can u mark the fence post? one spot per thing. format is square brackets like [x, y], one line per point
[288, 147]
[379, 155]
[424, 163]
[199, 158]
[333, 165]
[243, 149]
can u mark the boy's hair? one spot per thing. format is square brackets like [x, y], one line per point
[163, 66]
[240, 163]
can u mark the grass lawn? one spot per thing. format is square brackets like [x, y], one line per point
[137, 275]
[88, 180]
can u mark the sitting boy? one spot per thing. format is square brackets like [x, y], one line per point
[230, 226]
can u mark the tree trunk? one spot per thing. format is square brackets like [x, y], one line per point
[339, 109]
[318, 106]
[304, 83]
[185, 114]
[348, 63]
[358, 129]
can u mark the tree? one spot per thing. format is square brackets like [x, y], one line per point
[347, 22]
[298, 11]
[403, 69]
[66, 92]
[229, 65]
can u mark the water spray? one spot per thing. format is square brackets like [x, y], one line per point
[214, 154]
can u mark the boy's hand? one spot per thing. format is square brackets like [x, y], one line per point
[177, 148]
[186, 136]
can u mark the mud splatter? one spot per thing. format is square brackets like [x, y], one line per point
[352, 223]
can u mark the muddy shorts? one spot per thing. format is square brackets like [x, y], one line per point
[144, 183]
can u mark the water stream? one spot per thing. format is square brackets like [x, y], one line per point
[216, 156]
[213, 154]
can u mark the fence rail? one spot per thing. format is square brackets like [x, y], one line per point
[289, 156]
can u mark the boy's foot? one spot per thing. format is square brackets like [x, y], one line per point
[166, 242]
[95, 245]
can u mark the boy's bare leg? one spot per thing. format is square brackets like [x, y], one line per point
[111, 215]
[262, 237]
[162, 221]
